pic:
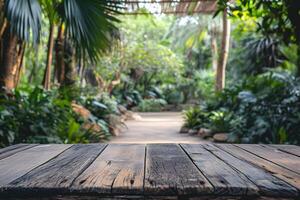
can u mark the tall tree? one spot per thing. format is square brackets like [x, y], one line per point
[50, 9]
[221, 68]
[59, 55]
[21, 21]
[214, 48]
[278, 19]
[47, 74]
[87, 23]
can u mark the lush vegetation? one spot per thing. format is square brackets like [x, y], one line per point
[261, 101]
[71, 32]
[263, 108]
[37, 116]
[73, 72]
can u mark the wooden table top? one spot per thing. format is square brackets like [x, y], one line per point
[152, 171]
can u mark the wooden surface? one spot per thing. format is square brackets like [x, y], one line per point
[152, 171]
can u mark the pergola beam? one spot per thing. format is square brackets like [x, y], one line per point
[181, 7]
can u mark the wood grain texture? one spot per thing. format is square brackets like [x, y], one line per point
[118, 170]
[21, 163]
[127, 197]
[12, 147]
[283, 159]
[278, 171]
[59, 173]
[292, 149]
[153, 171]
[225, 179]
[266, 182]
[11, 150]
[169, 171]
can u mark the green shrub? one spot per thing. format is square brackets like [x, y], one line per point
[34, 115]
[219, 121]
[105, 108]
[101, 105]
[173, 95]
[152, 105]
[264, 108]
[195, 118]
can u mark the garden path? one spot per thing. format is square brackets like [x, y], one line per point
[162, 127]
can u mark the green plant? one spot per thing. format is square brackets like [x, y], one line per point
[101, 105]
[262, 108]
[173, 95]
[151, 105]
[195, 118]
[34, 115]
[87, 22]
[219, 121]
[269, 16]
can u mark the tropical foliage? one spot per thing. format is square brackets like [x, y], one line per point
[258, 105]
[38, 116]
[262, 108]
[71, 69]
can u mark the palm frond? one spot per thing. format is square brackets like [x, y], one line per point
[24, 18]
[89, 23]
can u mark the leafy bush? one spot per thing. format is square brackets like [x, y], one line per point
[219, 121]
[195, 118]
[151, 105]
[129, 98]
[263, 108]
[33, 115]
[101, 105]
[106, 108]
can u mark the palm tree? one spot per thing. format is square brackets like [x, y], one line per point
[221, 69]
[18, 20]
[49, 8]
[86, 23]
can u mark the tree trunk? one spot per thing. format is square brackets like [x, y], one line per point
[19, 63]
[3, 21]
[293, 7]
[214, 51]
[116, 81]
[3, 27]
[70, 68]
[8, 67]
[35, 66]
[221, 69]
[59, 56]
[47, 74]
[82, 74]
[298, 60]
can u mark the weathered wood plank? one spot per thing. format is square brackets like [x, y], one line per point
[11, 150]
[169, 171]
[226, 180]
[292, 149]
[283, 159]
[12, 147]
[118, 170]
[90, 197]
[58, 173]
[21, 163]
[278, 171]
[266, 182]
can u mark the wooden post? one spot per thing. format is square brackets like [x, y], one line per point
[221, 69]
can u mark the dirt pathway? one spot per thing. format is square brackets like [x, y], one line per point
[155, 128]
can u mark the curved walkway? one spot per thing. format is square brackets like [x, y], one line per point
[160, 127]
